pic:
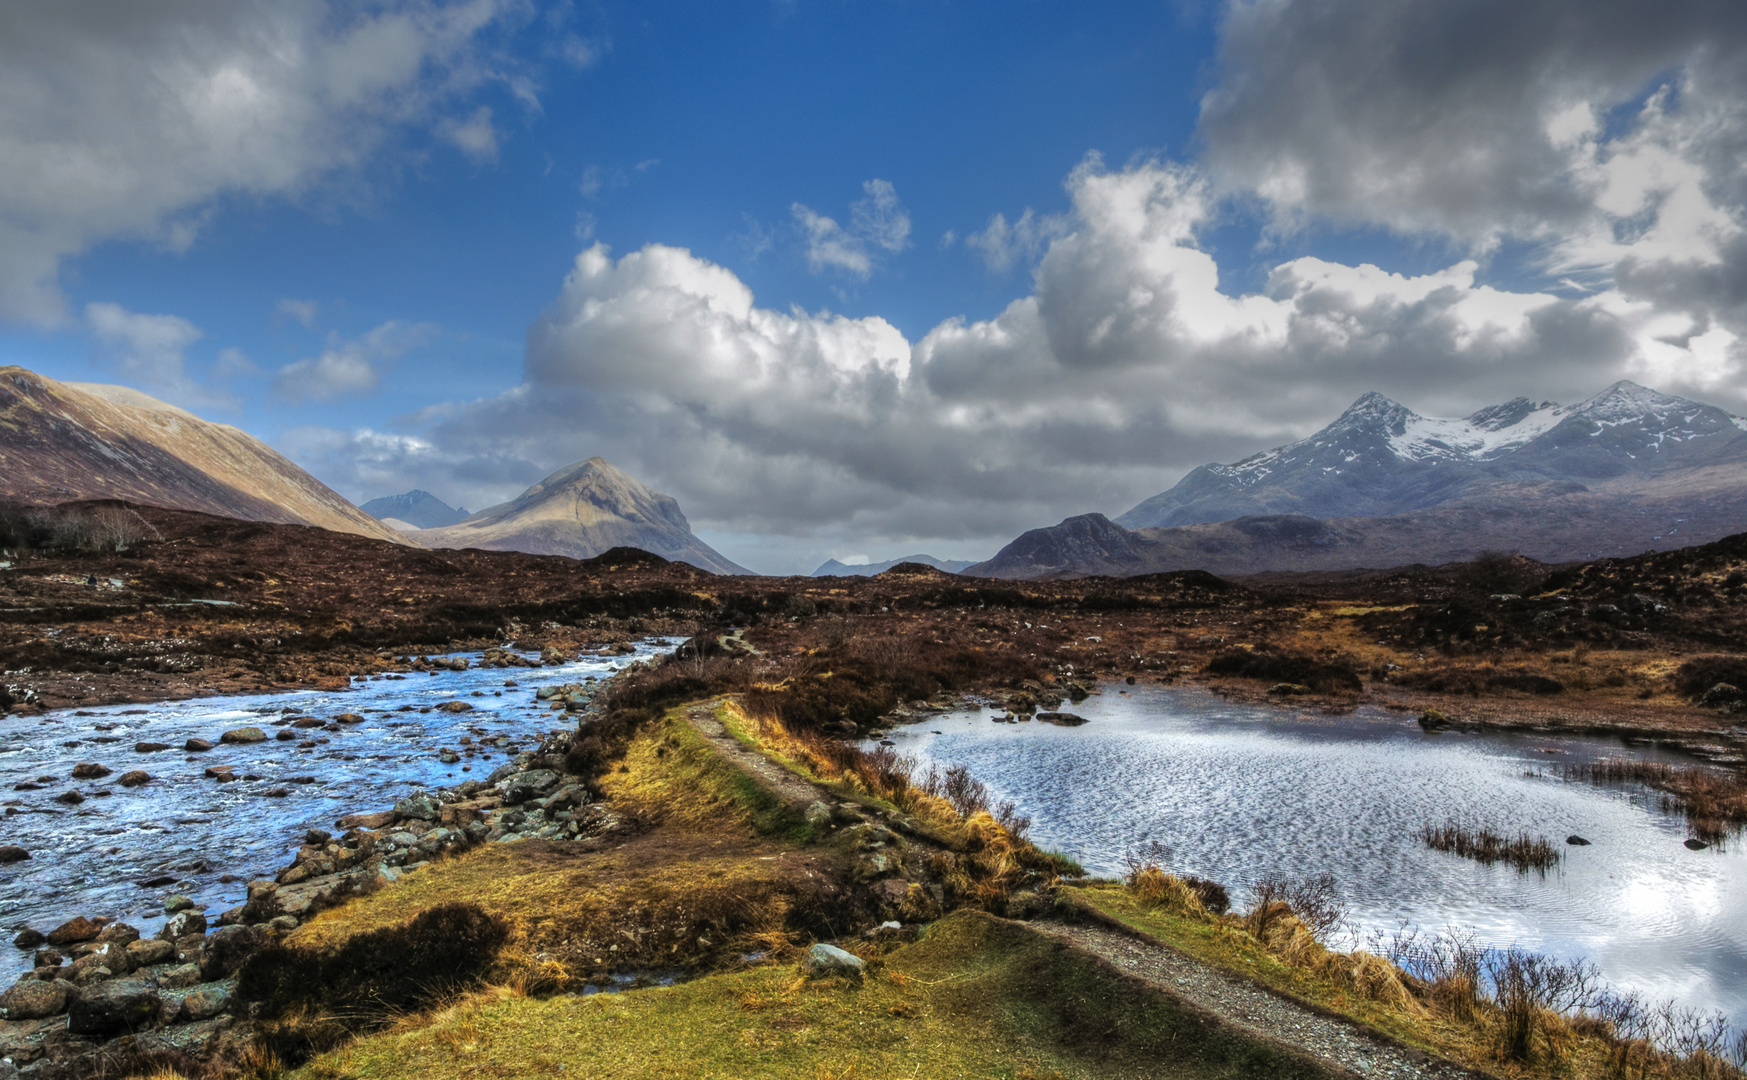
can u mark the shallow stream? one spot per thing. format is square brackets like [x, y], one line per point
[1239, 792]
[184, 833]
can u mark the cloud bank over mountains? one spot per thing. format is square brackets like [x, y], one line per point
[1591, 148]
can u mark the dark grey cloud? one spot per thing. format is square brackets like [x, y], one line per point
[1456, 116]
[127, 118]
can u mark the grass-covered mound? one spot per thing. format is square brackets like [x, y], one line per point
[977, 997]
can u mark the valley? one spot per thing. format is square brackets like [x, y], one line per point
[809, 678]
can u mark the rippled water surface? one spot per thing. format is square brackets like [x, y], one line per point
[1239, 792]
[212, 838]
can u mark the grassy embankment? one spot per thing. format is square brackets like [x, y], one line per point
[1495, 1011]
[722, 858]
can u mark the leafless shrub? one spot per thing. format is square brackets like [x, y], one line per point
[1315, 899]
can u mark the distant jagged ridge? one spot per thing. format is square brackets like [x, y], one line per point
[581, 511]
[833, 568]
[1626, 471]
[1379, 457]
[62, 441]
[420, 509]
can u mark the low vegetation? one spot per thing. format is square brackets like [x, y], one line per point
[1713, 801]
[1522, 851]
[1497, 1010]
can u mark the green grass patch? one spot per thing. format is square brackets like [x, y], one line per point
[976, 997]
[671, 773]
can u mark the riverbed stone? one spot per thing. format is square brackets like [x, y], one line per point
[29, 938]
[205, 1002]
[35, 1000]
[287, 735]
[348, 718]
[112, 1007]
[243, 735]
[366, 821]
[180, 977]
[149, 747]
[11, 853]
[1694, 844]
[134, 778]
[75, 930]
[47, 958]
[184, 923]
[197, 746]
[1576, 841]
[420, 806]
[146, 953]
[823, 959]
[177, 902]
[455, 707]
[90, 770]
[529, 785]
[71, 798]
[119, 933]
[1061, 719]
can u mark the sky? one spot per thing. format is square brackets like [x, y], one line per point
[864, 278]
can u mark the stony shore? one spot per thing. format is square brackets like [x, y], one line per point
[101, 994]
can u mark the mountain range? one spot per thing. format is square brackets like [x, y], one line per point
[1623, 472]
[833, 568]
[62, 441]
[581, 511]
[414, 510]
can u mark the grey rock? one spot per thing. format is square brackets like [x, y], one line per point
[112, 1007]
[205, 1002]
[823, 959]
[529, 785]
[180, 977]
[243, 735]
[418, 806]
[176, 903]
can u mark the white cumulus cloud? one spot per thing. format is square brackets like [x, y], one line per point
[351, 367]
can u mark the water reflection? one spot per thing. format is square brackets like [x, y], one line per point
[1239, 792]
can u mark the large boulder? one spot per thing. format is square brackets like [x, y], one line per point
[11, 853]
[243, 735]
[149, 952]
[205, 1002]
[75, 930]
[113, 1007]
[34, 1000]
[134, 778]
[90, 770]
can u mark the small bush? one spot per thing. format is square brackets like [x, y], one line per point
[1699, 674]
[1284, 667]
[1315, 900]
[379, 972]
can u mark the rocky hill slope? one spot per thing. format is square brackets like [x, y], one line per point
[64, 441]
[581, 511]
[1627, 471]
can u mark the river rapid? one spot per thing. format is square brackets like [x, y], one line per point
[121, 851]
[1239, 792]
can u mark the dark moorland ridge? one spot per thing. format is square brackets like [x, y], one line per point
[1627, 471]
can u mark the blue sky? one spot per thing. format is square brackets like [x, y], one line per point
[354, 231]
